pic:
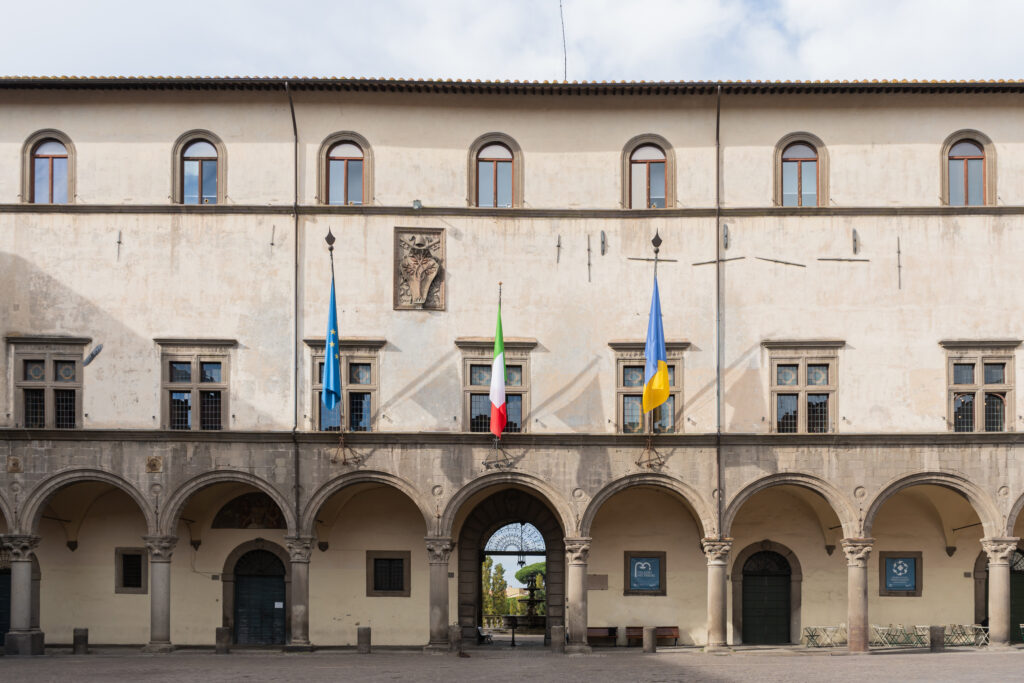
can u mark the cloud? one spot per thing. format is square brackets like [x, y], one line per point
[519, 39]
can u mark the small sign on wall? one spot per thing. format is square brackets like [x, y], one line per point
[899, 573]
[644, 573]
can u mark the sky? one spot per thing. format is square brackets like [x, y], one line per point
[518, 39]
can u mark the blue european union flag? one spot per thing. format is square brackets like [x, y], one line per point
[331, 394]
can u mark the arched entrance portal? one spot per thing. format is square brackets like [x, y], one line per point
[259, 599]
[766, 599]
[492, 513]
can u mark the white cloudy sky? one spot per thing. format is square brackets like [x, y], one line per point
[517, 39]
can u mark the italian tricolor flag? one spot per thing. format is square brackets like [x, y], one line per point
[499, 413]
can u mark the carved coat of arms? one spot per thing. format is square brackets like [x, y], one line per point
[419, 268]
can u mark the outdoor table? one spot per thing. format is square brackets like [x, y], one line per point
[812, 633]
[830, 634]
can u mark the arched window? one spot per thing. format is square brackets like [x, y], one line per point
[494, 176]
[647, 178]
[345, 174]
[199, 173]
[800, 175]
[49, 173]
[966, 174]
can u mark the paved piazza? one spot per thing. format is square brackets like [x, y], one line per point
[525, 664]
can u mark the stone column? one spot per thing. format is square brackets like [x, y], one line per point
[160, 550]
[717, 552]
[439, 550]
[857, 551]
[300, 548]
[577, 550]
[1000, 552]
[22, 639]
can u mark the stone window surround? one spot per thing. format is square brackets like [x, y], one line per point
[517, 167]
[480, 350]
[321, 165]
[803, 352]
[353, 350]
[195, 350]
[987, 145]
[405, 556]
[26, 164]
[177, 169]
[823, 166]
[670, 169]
[51, 348]
[918, 572]
[629, 554]
[630, 352]
[979, 352]
[119, 586]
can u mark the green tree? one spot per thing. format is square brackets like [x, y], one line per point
[499, 588]
[523, 575]
[485, 586]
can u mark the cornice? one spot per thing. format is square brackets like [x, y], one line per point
[803, 343]
[194, 341]
[639, 345]
[980, 343]
[511, 343]
[47, 339]
[347, 342]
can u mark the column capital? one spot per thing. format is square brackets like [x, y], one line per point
[20, 546]
[716, 549]
[857, 551]
[578, 550]
[999, 550]
[300, 548]
[160, 547]
[439, 549]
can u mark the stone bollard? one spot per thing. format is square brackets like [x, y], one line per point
[558, 639]
[650, 641]
[454, 638]
[81, 642]
[937, 638]
[223, 640]
[363, 640]
[620, 637]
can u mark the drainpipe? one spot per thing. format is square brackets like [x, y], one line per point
[719, 352]
[295, 303]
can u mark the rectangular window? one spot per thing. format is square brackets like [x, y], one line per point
[191, 190]
[975, 183]
[803, 384]
[210, 181]
[48, 384]
[388, 573]
[485, 183]
[790, 184]
[131, 569]
[355, 411]
[195, 386]
[656, 186]
[629, 382]
[956, 182]
[477, 362]
[980, 387]
[809, 182]
[355, 182]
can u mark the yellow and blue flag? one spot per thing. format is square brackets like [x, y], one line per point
[656, 384]
[331, 394]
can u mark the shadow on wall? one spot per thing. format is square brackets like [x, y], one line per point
[128, 367]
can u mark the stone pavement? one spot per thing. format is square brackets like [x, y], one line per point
[761, 666]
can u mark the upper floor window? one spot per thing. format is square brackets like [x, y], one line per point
[800, 175]
[50, 173]
[804, 382]
[356, 412]
[629, 389]
[195, 377]
[647, 178]
[48, 381]
[199, 173]
[345, 174]
[980, 382]
[477, 361]
[966, 174]
[494, 176]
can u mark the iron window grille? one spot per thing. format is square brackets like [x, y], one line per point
[360, 383]
[803, 383]
[980, 389]
[195, 386]
[477, 362]
[629, 388]
[48, 383]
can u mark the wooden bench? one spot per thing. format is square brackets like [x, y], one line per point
[603, 634]
[636, 633]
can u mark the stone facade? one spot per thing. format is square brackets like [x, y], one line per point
[882, 280]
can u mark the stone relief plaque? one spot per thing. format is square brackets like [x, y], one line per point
[419, 269]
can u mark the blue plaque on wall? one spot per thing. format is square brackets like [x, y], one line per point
[645, 573]
[900, 574]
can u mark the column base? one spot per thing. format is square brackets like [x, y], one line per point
[299, 647]
[24, 643]
[577, 649]
[159, 648]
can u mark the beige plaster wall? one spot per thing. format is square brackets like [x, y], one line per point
[379, 519]
[668, 527]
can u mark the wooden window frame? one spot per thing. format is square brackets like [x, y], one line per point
[632, 353]
[480, 351]
[50, 350]
[967, 175]
[472, 171]
[647, 172]
[362, 185]
[195, 352]
[494, 161]
[630, 554]
[916, 555]
[28, 165]
[800, 161]
[199, 160]
[644, 140]
[405, 556]
[978, 354]
[352, 350]
[119, 586]
[802, 354]
[323, 167]
[822, 180]
[35, 157]
[989, 176]
[178, 166]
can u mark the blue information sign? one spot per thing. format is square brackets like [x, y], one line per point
[645, 573]
[900, 573]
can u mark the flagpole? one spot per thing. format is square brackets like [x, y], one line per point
[330, 248]
[657, 248]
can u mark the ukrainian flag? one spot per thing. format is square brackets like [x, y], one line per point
[656, 385]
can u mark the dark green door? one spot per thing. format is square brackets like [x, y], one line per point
[5, 602]
[766, 585]
[1016, 597]
[259, 599]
